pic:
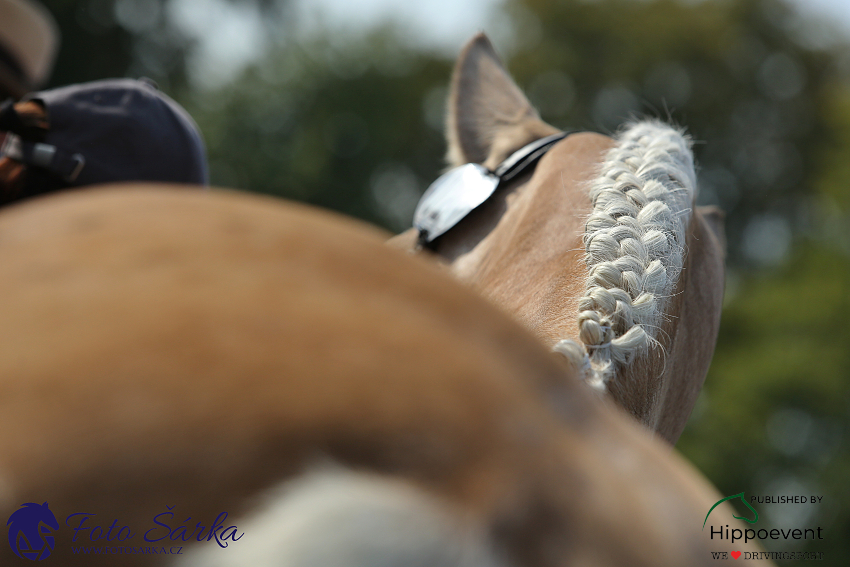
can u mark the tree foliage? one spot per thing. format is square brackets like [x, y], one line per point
[339, 125]
[746, 89]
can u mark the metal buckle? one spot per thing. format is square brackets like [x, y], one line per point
[80, 164]
[12, 147]
[42, 155]
[451, 197]
[461, 190]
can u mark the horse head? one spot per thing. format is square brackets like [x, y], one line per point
[599, 250]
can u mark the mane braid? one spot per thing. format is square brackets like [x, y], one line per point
[634, 241]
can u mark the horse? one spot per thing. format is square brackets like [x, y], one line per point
[598, 249]
[215, 378]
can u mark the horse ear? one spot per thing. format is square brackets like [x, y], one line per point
[715, 219]
[488, 116]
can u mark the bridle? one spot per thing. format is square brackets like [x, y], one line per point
[459, 191]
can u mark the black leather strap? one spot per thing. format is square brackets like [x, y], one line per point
[526, 156]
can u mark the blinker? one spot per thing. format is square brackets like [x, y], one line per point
[459, 191]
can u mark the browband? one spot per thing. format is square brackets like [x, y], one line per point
[459, 191]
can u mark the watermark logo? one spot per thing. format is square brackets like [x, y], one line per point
[722, 500]
[31, 530]
[766, 533]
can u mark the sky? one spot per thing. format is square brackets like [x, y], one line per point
[435, 23]
[228, 38]
[839, 9]
[446, 24]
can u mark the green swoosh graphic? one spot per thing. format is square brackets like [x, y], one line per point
[747, 504]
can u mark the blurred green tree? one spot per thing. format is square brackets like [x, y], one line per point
[748, 90]
[116, 38]
[336, 123]
[773, 416]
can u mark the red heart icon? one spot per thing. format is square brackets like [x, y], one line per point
[736, 554]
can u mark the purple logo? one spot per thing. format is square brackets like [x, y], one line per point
[31, 531]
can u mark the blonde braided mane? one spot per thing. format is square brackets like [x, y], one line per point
[634, 241]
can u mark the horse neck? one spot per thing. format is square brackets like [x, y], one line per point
[523, 250]
[690, 331]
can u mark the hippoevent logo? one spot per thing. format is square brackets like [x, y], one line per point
[724, 533]
[30, 531]
[722, 500]
[32, 528]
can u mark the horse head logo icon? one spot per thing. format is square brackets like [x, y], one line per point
[30, 531]
[747, 504]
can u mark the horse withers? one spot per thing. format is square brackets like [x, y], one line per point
[598, 249]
